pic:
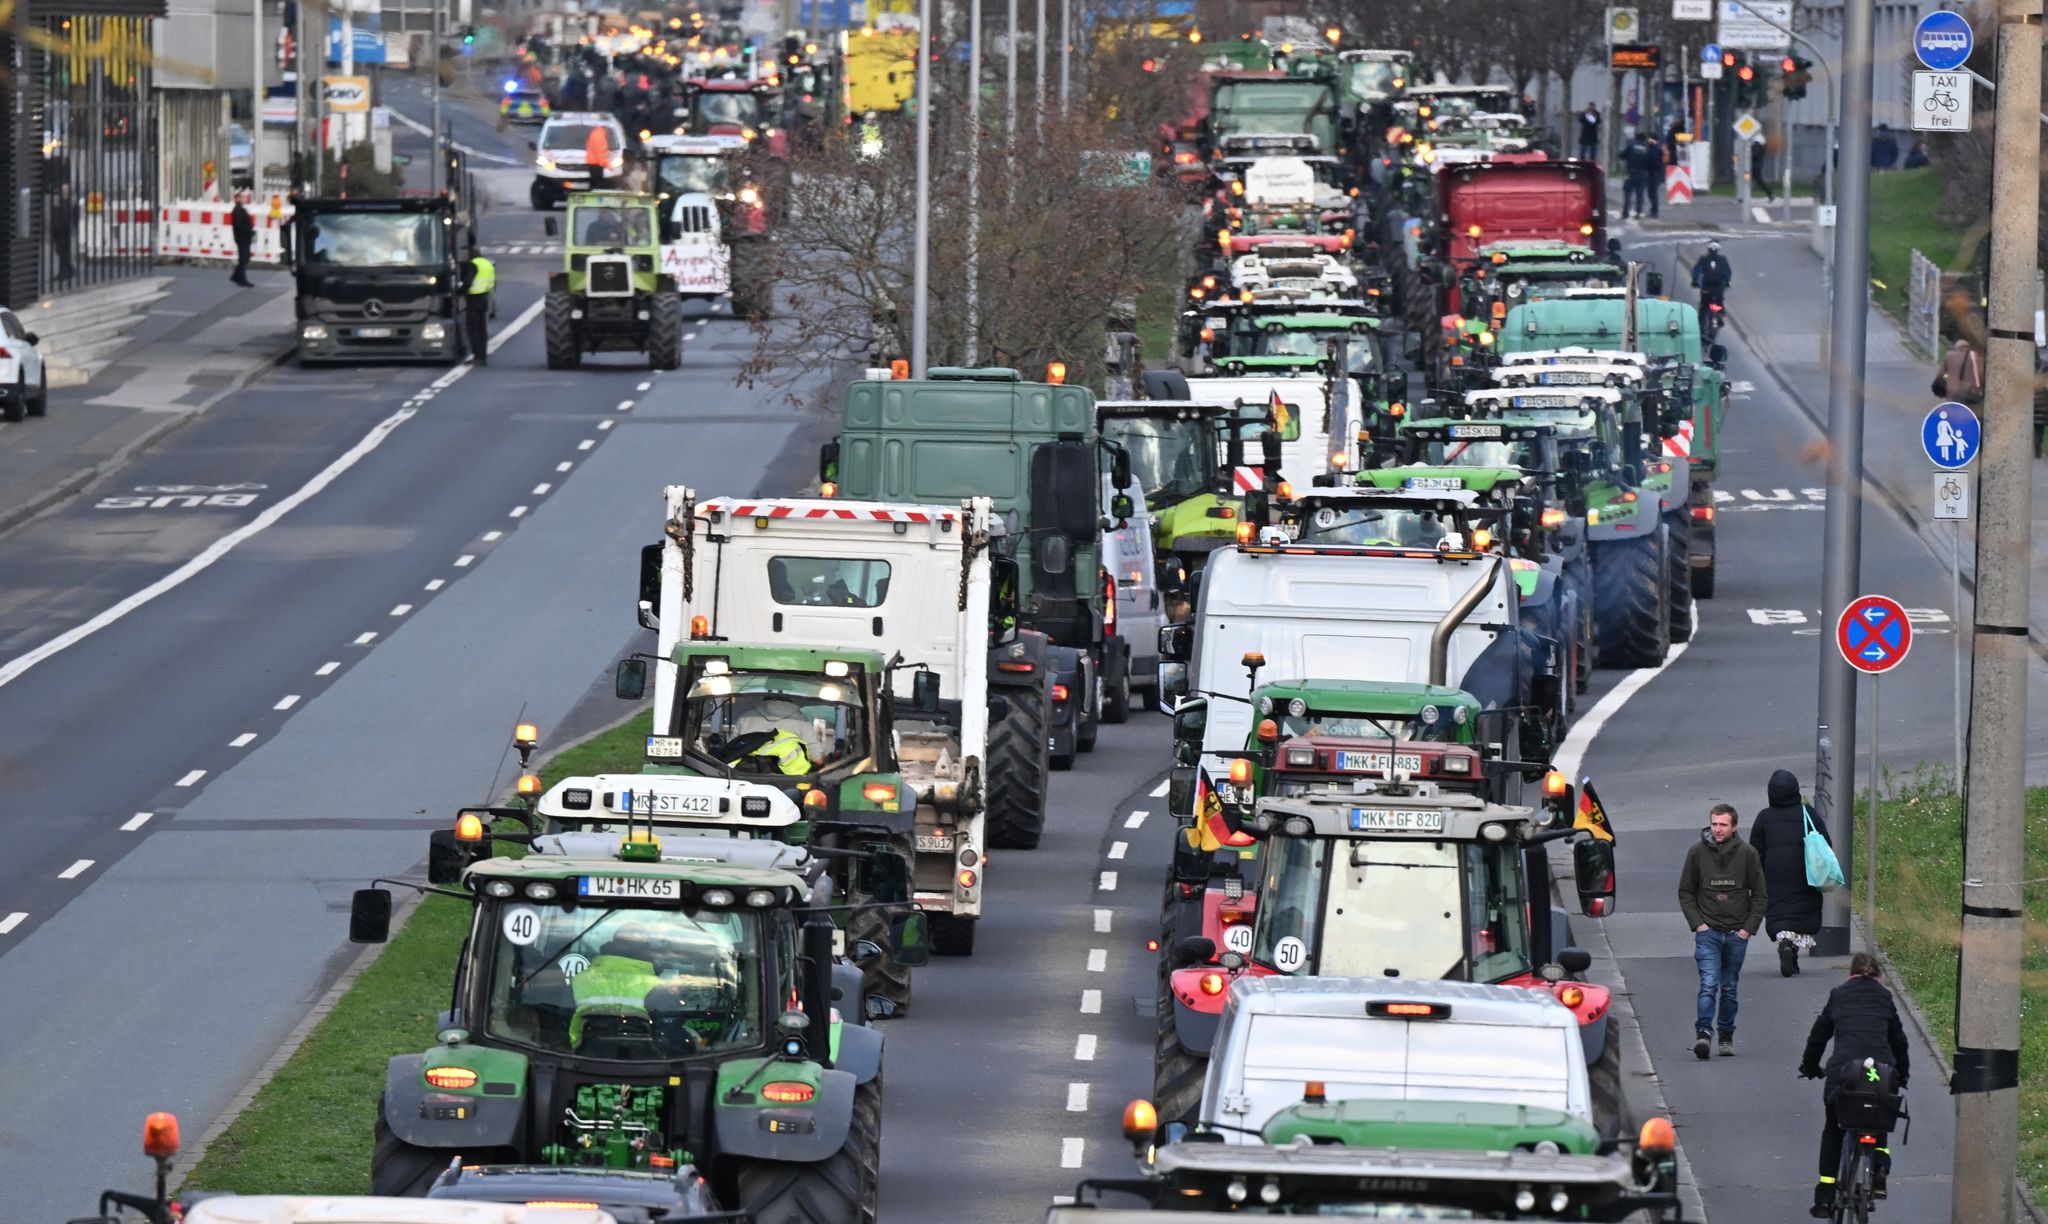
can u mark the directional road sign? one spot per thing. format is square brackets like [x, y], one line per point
[1755, 25]
[1710, 54]
[1943, 40]
[1950, 434]
[1941, 101]
[1874, 634]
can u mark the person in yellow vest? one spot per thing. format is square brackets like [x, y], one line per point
[616, 982]
[481, 276]
[778, 718]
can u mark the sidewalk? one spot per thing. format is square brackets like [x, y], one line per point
[197, 346]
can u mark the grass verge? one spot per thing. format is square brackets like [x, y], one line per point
[329, 1087]
[1919, 881]
[1906, 213]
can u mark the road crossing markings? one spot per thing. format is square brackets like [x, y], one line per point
[12, 921]
[243, 740]
[289, 700]
[1102, 922]
[437, 584]
[519, 512]
[133, 823]
[1077, 1098]
[1084, 1048]
[1108, 882]
[1118, 849]
[541, 489]
[327, 669]
[1159, 791]
[192, 779]
[75, 870]
[401, 609]
[1070, 1153]
[465, 561]
[1136, 819]
[1098, 960]
[1091, 1002]
[362, 639]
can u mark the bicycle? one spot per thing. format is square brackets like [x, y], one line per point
[1866, 1111]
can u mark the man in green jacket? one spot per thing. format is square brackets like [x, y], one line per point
[1721, 891]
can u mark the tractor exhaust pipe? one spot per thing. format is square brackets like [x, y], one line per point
[1440, 637]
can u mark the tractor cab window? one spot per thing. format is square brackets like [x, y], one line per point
[1170, 459]
[684, 175]
[828, 582]
[1369, 726]
[1358, 356]
[773, 724]
[612, 227]
[1378, 527]
[727, 109]
[1372, 79]
[629, 984]
[1485, 452]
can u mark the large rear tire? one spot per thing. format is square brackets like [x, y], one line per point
[1018, 764]
[1629, 602]
[1176, 1072]
[1610, 1099]
[1678, 563]
[952, 935]
[841, 1189]
[400, 1170]
[565, 347]
[665, 332]
[1116, 688]
[880, 977]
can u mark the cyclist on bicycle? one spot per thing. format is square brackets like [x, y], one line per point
[1711, 274]
[1863, 1022]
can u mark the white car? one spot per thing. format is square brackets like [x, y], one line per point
[24, 383]
[560, 153]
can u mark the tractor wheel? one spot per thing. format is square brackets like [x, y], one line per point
[1703, 578]
[840, 1189]
[1176, 1072]
[400, 1170]
[565, 347]
[1583, 675]
[1610, 1101]
[882, 977]
[1678, 563]
[1629, 603]
[665, 332]
[1116, 688]
[1017, 772]
[952, 935]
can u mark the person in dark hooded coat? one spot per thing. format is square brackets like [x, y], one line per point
[1779, 837]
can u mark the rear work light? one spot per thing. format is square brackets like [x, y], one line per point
[450, 1077]
[1408, 1011]
[787, 1092]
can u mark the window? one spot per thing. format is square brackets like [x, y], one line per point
[683, 175]
[828, 582]
[566, 136]
[375, 240]
[727, 109]
[1366, 726]
[773, 724]
[1466, 452]
[1170, 459]
[1377, 527]
[609, 227]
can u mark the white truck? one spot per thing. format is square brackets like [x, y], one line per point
[907, 588]
[1389, 1039]
[1312, 447]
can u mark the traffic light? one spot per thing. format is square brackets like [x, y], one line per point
[1150, 65]
[1798, 75]
[469, 35]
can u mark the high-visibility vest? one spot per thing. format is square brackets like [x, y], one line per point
[788, 753]
[484, 277]
[612, 986]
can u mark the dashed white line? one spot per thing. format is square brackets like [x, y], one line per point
[1091, 1002]
[1077, 1098]
[136, 821]
[288, 701]
[564, 466]
[401, 609]
[362, 639]
[1108, 882]
[604, 425]
[1102, 922]
[1098, 960]
[587, 443]
[465, 561]
[327, 669]
[625, 405]
[1084, 1048]
[541, 489]
[519, 512]
[493, 536]
[644, 386]
[1136, 820]
[437, 584]
[689, 335]
[75, 870]
[12, 921]
[1159, 791]
[243, 740]
[1117, 850]
[192, 779]
[1070, 1153]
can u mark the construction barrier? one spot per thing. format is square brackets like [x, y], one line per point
[1677, 185]
[104, 228]
[203, 229]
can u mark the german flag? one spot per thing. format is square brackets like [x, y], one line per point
[1281, 417]
[1213, 828]
[1591, 816]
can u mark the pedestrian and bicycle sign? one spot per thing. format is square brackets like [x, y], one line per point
[1943, 41]
[1950, 434]
[1874, 634]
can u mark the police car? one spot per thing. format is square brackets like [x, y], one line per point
[522, 103]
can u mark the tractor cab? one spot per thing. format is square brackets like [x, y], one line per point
[749, 109]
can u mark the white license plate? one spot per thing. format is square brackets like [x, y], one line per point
[1475, 431]
[1571, 378]
[1378, 762]
[934, 843]
[656, 803]
[664, 745]
[1434, 483]
[1398, 820]
[630, 888]
[1542, 401]
[373, 333]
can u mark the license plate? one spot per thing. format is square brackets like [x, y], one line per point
[631, 888]
[1434, 483]
[1378, 761]
[1542, 401]
[657, 803]
[1570, 378]
[1475, 431]
[664, 745]
[1398, 820]
[933, 842]
[373, 333]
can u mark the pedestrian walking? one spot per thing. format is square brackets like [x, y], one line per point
[1652, 163]
[1870, 1052]
[1778, 836]
[480, 277]
[1721, 891]
[1589, 133]
[1884, 148]
[1962, 373]
[1631, 180]
[64, 230]
[1760, 168]
[245, 238]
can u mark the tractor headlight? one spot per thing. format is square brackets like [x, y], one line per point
[749, 196]
[761, 898]
[717, 896]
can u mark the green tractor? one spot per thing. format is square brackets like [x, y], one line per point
[644, 1009]
[612, 296]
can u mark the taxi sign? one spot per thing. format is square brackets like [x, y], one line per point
[630, 888]
[1397, 820]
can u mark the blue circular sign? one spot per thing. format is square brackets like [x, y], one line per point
[1710, 54]
[1950, 435]
[1874, 634]
[1943, 40]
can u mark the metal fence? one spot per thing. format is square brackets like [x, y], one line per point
[99, 192]
[1923, 305]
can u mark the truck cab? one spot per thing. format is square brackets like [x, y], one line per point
[379, 279]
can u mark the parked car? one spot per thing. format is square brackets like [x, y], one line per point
[24, 382]
[241, 156]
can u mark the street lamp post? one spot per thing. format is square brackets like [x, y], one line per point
[973, 176]
[920, 275]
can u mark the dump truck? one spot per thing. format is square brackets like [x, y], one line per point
[379, 280]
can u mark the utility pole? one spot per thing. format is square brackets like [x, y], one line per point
[921, 271]
[255, 92]
[1010, 75]
[1987, 1061]
[972, 354]
[1834, 773]
[1038, 74]
[440, 154]
[1066, 49]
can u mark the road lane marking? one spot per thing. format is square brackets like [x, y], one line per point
[519, 512]
[625, 405]
[492, 537]
[1108, 882]
[1159, 791]
[1098, 960]
[327, 669]
[192, 779]
[586, 444]
[136, 821]
[1118, 849]
[12, 921]
[689, 335]
[19, 666]
[401, 609]
[437, 584]
[1136, 819]
[465, 561]
[1102, 922]
[541, 489]
[1077, 1098]
[1572, 752]
[646, 386]
[243, 740]
[1084, 1048]
[290, 700]
[75, 870]
[364, 639]
[564, 466]
[1091, 1002]
[603, 425]
[1070, 1153]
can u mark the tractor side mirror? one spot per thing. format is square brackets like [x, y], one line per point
[1395, 384]
[1177, 642]
[1121, 508]
[1717, 355]
[828, 462]
[1194, 950]
[1002, 596]
[1593, 872]
[369, 915]
[884, 873]
[1064, 491]
[1653, 284]
[650, 587]
[1574, 960]
[1120, 469]
[910, 935]
[1269, 444]
[629, 682]
[1055, 554]
[1191, 717]
[446, 857]
[924, 690]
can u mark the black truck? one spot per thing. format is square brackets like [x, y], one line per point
[380, 279]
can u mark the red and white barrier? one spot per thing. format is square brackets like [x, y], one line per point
[1677, 185]
[204, 229]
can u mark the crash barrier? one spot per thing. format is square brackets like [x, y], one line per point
[204, 229]
[1677, 185]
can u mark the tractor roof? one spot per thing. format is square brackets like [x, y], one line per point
[1505, 426]
[611, 199]
[1418, 478]
[1372, 495]
[781, 658]
[1284, 362]
[1330, 322]
[704, 874]
[1360, 696]
[667, 799]
[1379, 814]
[1524, 397]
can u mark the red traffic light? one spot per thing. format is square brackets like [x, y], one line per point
[1788, 65]
[1745, 73]
[1150, 65]
[1728, 59]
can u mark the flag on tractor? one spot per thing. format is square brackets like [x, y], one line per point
[1281, 417]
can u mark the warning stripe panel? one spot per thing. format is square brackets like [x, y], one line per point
[1248, 479]
[849, 512]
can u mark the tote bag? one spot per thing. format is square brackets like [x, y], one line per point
[1823, 869]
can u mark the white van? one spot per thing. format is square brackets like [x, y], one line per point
[1140, 604]
[1389, 1039]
